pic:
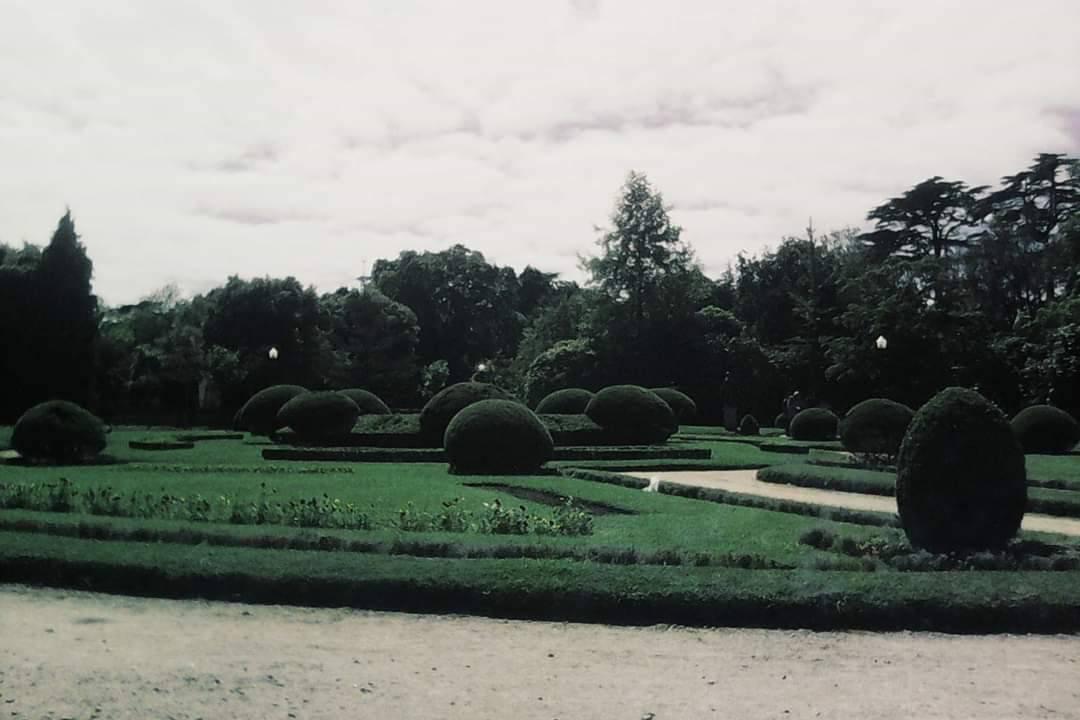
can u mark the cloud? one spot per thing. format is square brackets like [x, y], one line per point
[198, 140]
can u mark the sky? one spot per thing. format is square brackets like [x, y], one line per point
[201, 139]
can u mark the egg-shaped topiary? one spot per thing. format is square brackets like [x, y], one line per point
[813, 424]
[496, 437]
[58, 431]
[961, 484]
[259, 414]
[368, 402]
[1046, 429]
[320, 415]
[569, 401]
[749, 426]
[681, 404]
[633, 415]
[875, 426]
[448, 402]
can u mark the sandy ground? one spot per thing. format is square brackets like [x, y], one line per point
[745, 481]
[81, 655]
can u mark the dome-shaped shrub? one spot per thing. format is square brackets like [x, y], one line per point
[875, 426]
[1046, 429]
[58, 431]
[259, 413]
[319, 415]
[497, 436]
[781, 421]
[681, 404]
[813, 424]
[633, 415]
[749, 426]
[448, 402]
[961, 483]
[570, 401]
[368, 402]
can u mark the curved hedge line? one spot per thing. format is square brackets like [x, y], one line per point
[448, 402]
[259, 414]
[497, 436]
[368, 402]
[813, 424]
[58, 431]
[632, 414]
[319, 415]
[1046, 429]
[569, 401]
[875, 426]
[681, 404]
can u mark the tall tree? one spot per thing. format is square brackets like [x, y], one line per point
[929, 219]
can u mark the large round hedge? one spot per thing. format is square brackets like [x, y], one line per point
[496, 437]
[319, 415]
[961, 484]
[570, 401]
[681, 404]
[813, 424]
[259, 413]
[1046, 429]
[875, 426]
[58, 431]
[633, 415]
[448, 402]
[368, 402]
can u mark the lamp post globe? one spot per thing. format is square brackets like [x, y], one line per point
[881, 343]
[273, 354]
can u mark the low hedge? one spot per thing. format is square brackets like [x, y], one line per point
[1046, 429]
[161, 445]
[58, 431]
[569, 401]
[415, 455]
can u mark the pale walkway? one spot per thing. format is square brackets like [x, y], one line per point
[80, 655]
[745, 481]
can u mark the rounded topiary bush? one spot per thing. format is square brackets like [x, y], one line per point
[319, 415]
[448, 402]
[368, 402]
[875, 426]
[813, 424]
[749, 426]
[961, 483]
[497, 436]
[259, 413]
[570, 401]
[633, 415]
[1046, 429]
[781, 421]
[681, 404]
[58, 431]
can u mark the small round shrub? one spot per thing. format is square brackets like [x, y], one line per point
[58, 431]
[496, 437]
[781, 421]
[368, 402]
[813, 424]
[875, 426]
[570, 401]
[749, 426]
[961, 484]
[633, 415]
[259, 413]
[681, 404]
[319, 415]
[448, 402]
[1046, 429]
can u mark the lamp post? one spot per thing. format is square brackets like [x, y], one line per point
[273, 353]
[881, 343]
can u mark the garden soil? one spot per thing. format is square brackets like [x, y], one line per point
[745, 481]
[66, 654]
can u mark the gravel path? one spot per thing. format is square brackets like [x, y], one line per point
[745, 481]
[81, 655]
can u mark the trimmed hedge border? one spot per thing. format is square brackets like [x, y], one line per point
[201, 437]
[562, 454]
[161, 445]
[642, 595]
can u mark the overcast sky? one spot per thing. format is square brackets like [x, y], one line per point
[198, 139]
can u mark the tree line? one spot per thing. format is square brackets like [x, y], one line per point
[973, 286]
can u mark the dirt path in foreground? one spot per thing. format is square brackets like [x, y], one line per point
[745, 481]
[81, 655]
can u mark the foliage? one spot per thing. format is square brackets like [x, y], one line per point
[319, 415]
[497, 437]
[781, 421]
[259, 415]
[749, 426]
[813, 424]
[961, 482]
[368, 402]
[1046, 429]
[434, 377]
[448, 402]
[568, 401]
[566, 363]
[632, 414]
[681, 404]
[875, 427]
[58, 431]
